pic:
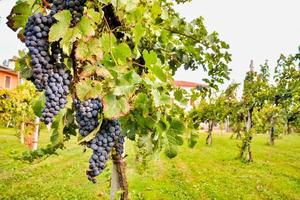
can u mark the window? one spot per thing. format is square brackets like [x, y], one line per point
[7, 81]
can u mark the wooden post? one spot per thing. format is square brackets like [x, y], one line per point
[22, 130]
[118, 178]
[271, 132]
[36, 133]
[209, 136]
[248, 129]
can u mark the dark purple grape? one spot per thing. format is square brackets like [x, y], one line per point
[107, 137]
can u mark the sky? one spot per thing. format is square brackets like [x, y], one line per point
[254, 29]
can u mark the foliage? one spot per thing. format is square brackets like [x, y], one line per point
[213, 108]
[129, 63]
[287, 96]
[15, 104]
[262, 119]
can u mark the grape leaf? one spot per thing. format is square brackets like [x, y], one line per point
[57, 127]
[115, 107]
[19, 15]
[90, 50]
[39, 104]
[94, 15]
[89, 89]
[121, 53]
[59, 29]
[127, 83]
[68, 39]
[138, 32]
[85, 26]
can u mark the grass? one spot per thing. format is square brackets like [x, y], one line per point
[200, 173]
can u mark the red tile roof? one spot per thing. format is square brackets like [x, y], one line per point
[8, 70]
[189, 84]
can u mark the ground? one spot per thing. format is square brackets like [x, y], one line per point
[199, 173]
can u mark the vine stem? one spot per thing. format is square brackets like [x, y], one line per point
[118, 178]
[110, 32]
[46, 3]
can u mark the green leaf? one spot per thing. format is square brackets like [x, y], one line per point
[175, 132]
[138, 32]
[82, 89]
[57, 127]
[115, 107]
[159, 73]
[39, 104]
[23, 65]
[19, 15]
[161, 99]
[90, 50]
[94, 15]
[150, 58]
[121, 53]
[131, 5]
[59, 29]
[68, 39]
[171, 151]
[88, 89]
[151, 61]
[108, 41]
[85, 26]
[127, 83]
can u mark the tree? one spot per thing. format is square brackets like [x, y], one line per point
[118, 57]
[213, 110]
[287, 81]
[255, 85]
[16, 108]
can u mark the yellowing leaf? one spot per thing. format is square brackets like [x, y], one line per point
[115, 107]
[59, 29]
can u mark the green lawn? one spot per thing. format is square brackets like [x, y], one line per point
[199, 173]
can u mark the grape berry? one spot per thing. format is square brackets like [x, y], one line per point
[87, 115]
[107, 138]
[49, 74]
[36, 40]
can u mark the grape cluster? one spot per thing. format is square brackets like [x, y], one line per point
[57, 5]
[56, 92]
[36, 40]
[107, 138]
[119, 146]
[87, 114]
[76, 7]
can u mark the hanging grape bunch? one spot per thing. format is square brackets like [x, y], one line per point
[87, 115]
[49, 74]
[36, 40]
[108, 137]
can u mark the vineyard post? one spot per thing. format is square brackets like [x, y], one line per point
[249, 135]
[210, 129]
[36, 133]
[271, 131]
[22, 130]
[118, 178]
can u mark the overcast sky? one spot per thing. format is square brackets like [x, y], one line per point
[254, 29]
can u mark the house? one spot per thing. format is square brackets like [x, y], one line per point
[187, 85]
[8, 77]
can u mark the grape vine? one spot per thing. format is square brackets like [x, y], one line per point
[116, 62]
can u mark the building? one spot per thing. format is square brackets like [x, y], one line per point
[9, 79]
[187, 85]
